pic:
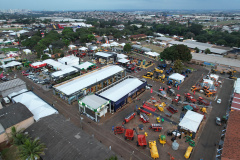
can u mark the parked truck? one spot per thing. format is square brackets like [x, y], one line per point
[153, 149]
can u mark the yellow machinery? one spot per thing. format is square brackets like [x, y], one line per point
[203, 109]
[195, 88]
[146, 134]
[188, 152]
[148, 75]
[158, 70]
[153, 149]
[158, 119]
[162, 139]
[161, 106]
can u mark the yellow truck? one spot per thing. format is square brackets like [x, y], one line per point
[153, 149]
[188, 152]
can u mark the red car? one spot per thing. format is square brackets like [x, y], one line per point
[190, 98]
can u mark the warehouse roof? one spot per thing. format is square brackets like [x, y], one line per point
[136, 46]
[93, 101]
[164, 39]
[84, 65]
[14, 114]
[76, 84]
[121, 89]
[11, 84]
[66, 141]
[64, 71]
[102, 54]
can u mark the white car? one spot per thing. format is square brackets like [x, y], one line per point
[219, 101]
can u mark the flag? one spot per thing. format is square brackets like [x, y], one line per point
[151, 90]
[194, 93]
[178, 88]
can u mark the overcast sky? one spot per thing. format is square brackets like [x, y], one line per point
[119, 4]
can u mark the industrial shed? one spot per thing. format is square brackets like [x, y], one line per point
[11, 86]
[87, 83]
[123, 91]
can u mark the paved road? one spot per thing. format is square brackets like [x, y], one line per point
[206, 148]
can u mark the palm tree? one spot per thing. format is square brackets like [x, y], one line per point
[19, 139]
[31, 149]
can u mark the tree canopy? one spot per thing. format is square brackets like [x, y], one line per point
[177, 52]
[178, 66]
[127, 48]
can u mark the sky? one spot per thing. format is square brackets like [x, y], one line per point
[120, 4]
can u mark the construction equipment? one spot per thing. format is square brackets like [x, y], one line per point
[170, 82]
[171, 91]
[203, 110]
[119, 130]
[188, 71]
[209, 93]
[232, 77]
[214, 70]
[188, 152]
[156, 127]
[148, 75]
[172, 109]
[158, 70]
[158, 119]
[162, 139]
[129, 134]
[129, 117]
[176, 84]
[153, 149]
[196, 88]
[222, 72]
[202, 101]
[162, 66]
[189, 139]
[177, 99]
[144, 118]
[161, 106]
[231, 72]
[190, 98]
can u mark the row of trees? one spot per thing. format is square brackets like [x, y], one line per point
[30, 149]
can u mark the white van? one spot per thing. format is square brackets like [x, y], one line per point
[6, 100]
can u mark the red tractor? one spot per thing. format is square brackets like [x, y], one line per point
[119, 130]
[190, 98]
[156, 127]
[203, 101]
[129, 134]
[129, 117]
[177, 99]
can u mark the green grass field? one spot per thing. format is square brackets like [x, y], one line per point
[9, 49]
[154, 47]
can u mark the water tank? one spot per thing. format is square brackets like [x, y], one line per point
[175, 145]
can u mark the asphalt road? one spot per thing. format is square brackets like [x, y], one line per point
[211, 134]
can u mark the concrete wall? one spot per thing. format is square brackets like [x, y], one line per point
[22, 125]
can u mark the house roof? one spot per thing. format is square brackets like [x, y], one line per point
[10, 84]
[138, 36]
[231, 144]
[14, 114]
[66, 141]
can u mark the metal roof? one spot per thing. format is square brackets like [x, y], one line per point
[11, 84]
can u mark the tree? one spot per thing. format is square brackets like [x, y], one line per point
[178, 66]
[31, 149]
[207, 51]
[177, 52]
[113, 158]
[127, 48]
[197, 50]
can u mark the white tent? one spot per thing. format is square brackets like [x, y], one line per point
[154, 54]
[37, 106]
[120, 56]
[83, 48]
[177, 77]
[123, 60]
[12, 54]
[27, 51]
[69, 60]
[208, 81]
[11, 64]
[191, 121]
[214, 76]
[122, 44]
[114, 44]
[71, 46]
[105, 45]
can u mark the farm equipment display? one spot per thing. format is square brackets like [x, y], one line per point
[144, 118]
[158, 119]
[161, 106]
[148, 75]
[196, 88]
[148, 107]
[156, 127]
[189, 139]
[171, 91]
[190, 98]
[162, 139]
[143, 110]
[129, 117]
[203, 101]
[177, 99]
[153, 149]
[188, 152]
[172, 109]
[141, 139]
[129, 134]
[119, 130]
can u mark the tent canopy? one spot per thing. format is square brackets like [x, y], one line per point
[84, 65]
[177, 77]
[154, 54]
[123, 60]
[191, 121]
[11, 64]
[83, 48]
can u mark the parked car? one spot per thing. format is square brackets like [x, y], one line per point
[218, 121]
[219, 101]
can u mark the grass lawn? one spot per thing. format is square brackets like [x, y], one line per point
[9, 49]
[154, 47]
[10, 153]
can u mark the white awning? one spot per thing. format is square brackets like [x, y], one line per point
[105, 45]
[64, 71]
[11, 64]
[191, 121]
[84, 65]
[177, 77]
[103, 54]
[122, 56]
[123, 60]
[154, 54]
[83, 48]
